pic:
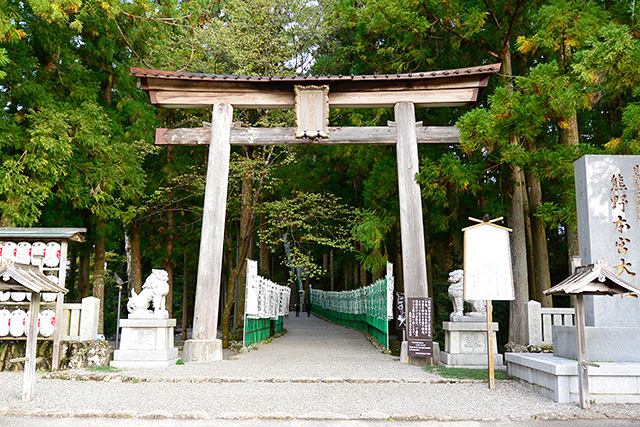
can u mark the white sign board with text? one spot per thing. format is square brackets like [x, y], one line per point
[251, 293]
[487, 263]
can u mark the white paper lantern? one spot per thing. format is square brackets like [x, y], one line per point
[47, 322]
[37, 252]
[23, 253]
[52, 254]
[48, 296]
[26, 323]
[5, 318]
[9, 250]
[16, 327]
[18, 296]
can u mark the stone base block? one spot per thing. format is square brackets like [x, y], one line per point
[147, 334]
[146, 343]
[473, 361]
[144, 358]
[153, 355]
[465, 345]
[605, 344]
[202, 350]
[557, 378]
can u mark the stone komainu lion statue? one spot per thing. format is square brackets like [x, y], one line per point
[155, 288]
[456, 293]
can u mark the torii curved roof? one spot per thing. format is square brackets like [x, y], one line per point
[179, 89]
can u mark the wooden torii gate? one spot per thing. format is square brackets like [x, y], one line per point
[312, 97]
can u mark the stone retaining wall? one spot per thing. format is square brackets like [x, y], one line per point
[73, 354]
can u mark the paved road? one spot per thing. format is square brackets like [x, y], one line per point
[317, 373]
[110, 422]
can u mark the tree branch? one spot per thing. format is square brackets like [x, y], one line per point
[511, 23]
[495, 20]
[131, 47]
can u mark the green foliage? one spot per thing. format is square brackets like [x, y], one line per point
[564, 26]
[307, 220]
[379, 36]
[370, 230]
[610, 59]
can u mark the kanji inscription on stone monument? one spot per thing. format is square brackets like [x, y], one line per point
[608, 206]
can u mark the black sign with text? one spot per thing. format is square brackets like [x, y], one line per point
[420, 327]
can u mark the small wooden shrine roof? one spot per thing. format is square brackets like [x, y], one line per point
[593, 279]
[18, 277]
[179, 89]
[73, 234]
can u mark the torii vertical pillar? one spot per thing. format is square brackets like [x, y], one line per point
[204, 346]
[414, 262]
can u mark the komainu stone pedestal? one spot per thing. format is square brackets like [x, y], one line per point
[465, 345]
[146, 343]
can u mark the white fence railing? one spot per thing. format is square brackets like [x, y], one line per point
[80, 320]
[539, 322]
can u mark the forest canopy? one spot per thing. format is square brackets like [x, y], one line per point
[77, 136]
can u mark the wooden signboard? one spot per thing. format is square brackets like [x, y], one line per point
[487, 272]
[420, 327]
[312, 111]
[251, 294]
[487, 263]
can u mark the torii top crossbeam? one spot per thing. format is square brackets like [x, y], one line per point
[175, 89]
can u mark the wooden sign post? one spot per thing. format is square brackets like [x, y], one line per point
[487, 273]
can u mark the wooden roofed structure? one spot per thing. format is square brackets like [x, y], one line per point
[39, 233]
[61, 235]
[16, 277]
[592, 279]
[28, 278]
[312, 97]
[445, 88]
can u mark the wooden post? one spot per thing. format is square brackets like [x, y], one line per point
[30, 354]
[414, 261]
[204, 345]
[583, 375]
[490, 345]
[57, 332]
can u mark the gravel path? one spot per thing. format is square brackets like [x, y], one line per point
[316, 370]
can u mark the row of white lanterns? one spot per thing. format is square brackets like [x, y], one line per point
[31, 253]
[15, 323]
[22, 296]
